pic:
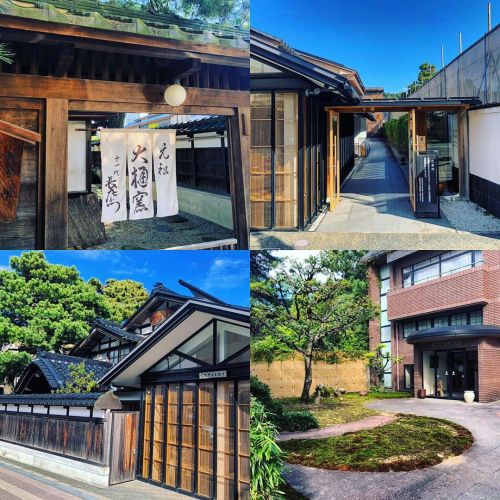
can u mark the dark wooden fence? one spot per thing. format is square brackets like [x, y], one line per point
[206, 169]
[73, 437]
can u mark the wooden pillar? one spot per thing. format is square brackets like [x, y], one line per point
[239, 173]
[56, 174]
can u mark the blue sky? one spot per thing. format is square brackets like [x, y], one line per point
[224, 274]
[385, 41]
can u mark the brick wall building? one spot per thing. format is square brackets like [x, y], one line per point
[440, 313]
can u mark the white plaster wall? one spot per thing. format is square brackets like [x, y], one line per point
[88, 473]
[484, 143]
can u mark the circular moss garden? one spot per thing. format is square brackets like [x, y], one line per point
[407, 443]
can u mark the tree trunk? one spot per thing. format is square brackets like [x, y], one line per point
[304, 398]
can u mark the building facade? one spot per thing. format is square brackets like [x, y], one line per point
[440, 315]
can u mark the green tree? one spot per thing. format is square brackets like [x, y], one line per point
[12, 364]
[123, 298]
[46, 306]
[6, 55]
[81, 381]
[261, 263]
[426, 72]
[312, 307]
[380, 361]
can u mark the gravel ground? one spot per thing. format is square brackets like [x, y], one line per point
[162, 232]
[464, 215]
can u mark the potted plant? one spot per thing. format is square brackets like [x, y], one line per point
[469, 396]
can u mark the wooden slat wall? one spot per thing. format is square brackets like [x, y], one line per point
[286, 378]
[74, 438]
[22, 233]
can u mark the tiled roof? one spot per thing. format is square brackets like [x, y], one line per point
[55, 368]
[115, 329]
[51, 399]
[100, 15]
[202, 125]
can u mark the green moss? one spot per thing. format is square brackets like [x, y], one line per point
[332, 411]
[408, 443]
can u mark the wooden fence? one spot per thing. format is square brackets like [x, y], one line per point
[74, 437]
[286, 378]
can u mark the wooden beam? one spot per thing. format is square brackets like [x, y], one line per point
[56, 175]
[209, 52]
[65, 57]
[28, 86]
[239, 173]
[19, 132]
[126, 107]
[177, 70]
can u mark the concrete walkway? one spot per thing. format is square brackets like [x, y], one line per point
[375, 199]
[339, 429]
[23, 482]
[473, 475]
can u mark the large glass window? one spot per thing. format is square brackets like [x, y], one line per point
[408, 369]
[440, 265]
[474, 317]
[274, 160]
[201, 346]
[231, 339]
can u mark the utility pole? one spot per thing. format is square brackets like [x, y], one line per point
[442, 56]
[489, 16]
[460, 42]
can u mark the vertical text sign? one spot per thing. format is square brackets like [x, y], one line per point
[165, 172]
[114, 172]
[140, 174]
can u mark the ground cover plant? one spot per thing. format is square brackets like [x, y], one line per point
[409, 442]
[349, 408]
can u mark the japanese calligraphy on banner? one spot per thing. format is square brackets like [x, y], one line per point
[114, 172]
[165, 172]
[140, 174]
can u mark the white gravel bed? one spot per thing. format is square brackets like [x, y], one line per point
[464, 215]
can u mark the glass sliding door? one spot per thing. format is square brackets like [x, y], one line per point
[195, 438]
[286, 160]
[274, 160]
[261, 160]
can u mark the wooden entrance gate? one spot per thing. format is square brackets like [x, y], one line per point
[123, 446]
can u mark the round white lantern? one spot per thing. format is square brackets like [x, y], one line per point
[175, 94]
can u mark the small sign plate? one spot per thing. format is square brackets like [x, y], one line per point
[215, 374]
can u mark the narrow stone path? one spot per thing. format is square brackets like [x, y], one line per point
[375, 199]
[339, 429]
[473, 475]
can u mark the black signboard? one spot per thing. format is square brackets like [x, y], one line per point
[427, 184]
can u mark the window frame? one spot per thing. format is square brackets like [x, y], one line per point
[431, 261]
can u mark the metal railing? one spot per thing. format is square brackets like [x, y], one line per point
[228, 244]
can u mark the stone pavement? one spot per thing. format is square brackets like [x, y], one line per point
[473, 475]
[339, 429]
[19, 481]
[375, 199]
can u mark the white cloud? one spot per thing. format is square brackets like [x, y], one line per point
[226, 274]
[5, 268]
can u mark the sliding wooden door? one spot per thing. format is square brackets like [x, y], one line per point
[333, 171]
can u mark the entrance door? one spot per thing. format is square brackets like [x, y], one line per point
[124, 447]
[457, 374]
[333, 172]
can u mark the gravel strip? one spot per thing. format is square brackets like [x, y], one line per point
[464, 215]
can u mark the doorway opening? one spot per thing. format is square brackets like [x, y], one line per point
[448, 373]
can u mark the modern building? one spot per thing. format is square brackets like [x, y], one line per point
[440, 314]
[179, 415]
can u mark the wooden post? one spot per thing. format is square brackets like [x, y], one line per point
[56, 174]
[239, 173]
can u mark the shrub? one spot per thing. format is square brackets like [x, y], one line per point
[298, 421]
[396, 131]
[282, 419]
[266, 459]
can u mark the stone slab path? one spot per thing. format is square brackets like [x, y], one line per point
[375, 199]
[473, 475]
[339, 429]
